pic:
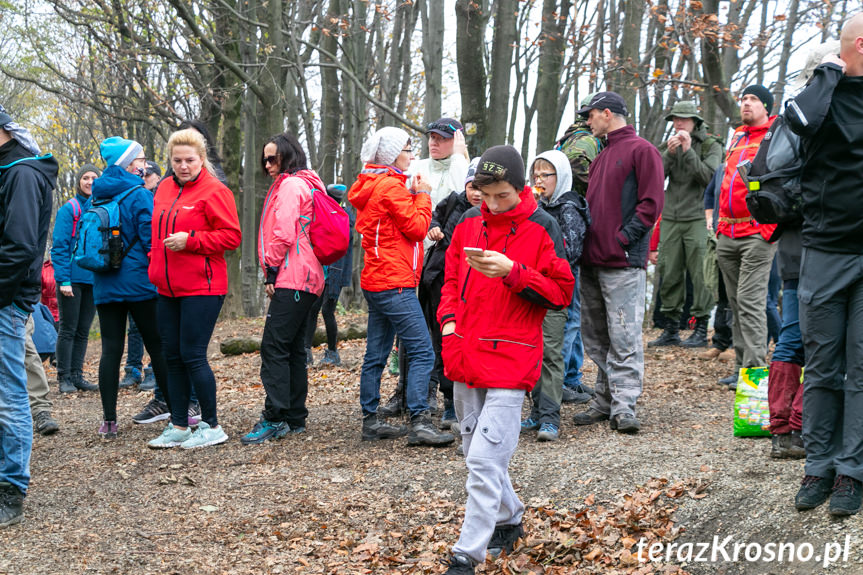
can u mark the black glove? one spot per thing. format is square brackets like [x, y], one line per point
[272, 273]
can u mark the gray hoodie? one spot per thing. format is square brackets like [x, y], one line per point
[564, 174]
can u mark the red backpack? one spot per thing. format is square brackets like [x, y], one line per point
[329, 230]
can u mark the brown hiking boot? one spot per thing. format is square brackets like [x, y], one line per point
[728, 355]
[709, 354]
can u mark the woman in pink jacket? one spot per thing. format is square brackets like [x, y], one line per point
[295, 279]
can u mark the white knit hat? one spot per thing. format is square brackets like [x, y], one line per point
[384, 146]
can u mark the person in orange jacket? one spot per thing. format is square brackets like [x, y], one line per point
[393, 221]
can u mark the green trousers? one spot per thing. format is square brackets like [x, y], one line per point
[682, 249]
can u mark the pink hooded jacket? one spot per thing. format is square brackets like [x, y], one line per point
[283, 243]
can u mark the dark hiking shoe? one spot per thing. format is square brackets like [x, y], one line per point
[813, 492]
[331, 357]
[846, 497]
[576, 395]
[669, 337]
[374, 429]
[310, 359]
[82, 384]
[394, 406]
[698, 337]
[458, 564]
[154, 411]
[424, 432]
[12, 504]
[45, 424]
[448, 418]
[264, 431]
[589, 417]
[504, 538]
[730, 382]
[149, 383]
[787, 446]
[132, 377]
[67, 387]
[625, 423]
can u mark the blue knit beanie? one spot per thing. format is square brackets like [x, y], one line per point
[117, 151]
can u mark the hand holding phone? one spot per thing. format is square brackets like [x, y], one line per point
[471, 251]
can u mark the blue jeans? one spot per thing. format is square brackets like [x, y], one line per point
[789, 348]
[774, 323]
[573, 348]
[396, 312]
[16, 423]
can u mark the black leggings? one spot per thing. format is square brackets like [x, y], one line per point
[112, 321]
[76, 316]
[327, 306]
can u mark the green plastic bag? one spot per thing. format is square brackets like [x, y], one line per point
[751, 410]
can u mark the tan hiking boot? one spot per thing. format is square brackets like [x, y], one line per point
[728, 355]
[709, 354]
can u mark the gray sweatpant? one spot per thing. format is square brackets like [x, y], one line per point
[548, 393]
[831, 321]
[612, 311]
[37, 383]
[491, 500]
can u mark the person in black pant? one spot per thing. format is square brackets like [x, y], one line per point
[127, 289]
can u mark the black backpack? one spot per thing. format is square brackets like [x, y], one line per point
[772, 178]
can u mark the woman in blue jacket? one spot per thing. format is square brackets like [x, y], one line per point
[74, 287]
[126, 290]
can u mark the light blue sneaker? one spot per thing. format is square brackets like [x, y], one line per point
[529, 424]
[171, 437]
[205, 436]
[548, 432]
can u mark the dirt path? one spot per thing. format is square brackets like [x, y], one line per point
[325, 502]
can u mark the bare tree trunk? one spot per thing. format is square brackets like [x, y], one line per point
[433, 31]
[501, 64]
[471, 18]
[551, 52]
[790, 25]
[330, 104]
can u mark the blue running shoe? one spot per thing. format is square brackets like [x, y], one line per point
[264, 431]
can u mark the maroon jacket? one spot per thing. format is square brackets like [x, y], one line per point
[625, 192]
[498, 321]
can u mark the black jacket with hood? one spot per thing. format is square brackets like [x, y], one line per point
[26, 186]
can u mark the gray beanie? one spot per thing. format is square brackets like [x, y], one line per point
[384, 146]
[83, 170]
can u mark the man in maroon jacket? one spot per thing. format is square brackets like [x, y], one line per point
[625, 195]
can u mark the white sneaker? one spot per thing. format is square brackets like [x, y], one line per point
[171, 437]
[205, 436]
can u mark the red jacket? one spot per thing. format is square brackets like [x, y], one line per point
[393, 222]
[205, 209]
[498, 321]
[732, 194]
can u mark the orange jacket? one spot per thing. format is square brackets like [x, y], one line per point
[732, 194]
[393, 222]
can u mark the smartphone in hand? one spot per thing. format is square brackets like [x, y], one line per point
[469, 251]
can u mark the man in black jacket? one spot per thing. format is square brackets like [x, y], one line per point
[828, 114]
[26, 183]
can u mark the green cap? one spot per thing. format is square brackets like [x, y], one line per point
[684, 109]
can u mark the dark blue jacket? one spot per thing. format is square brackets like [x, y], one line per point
[26, 186]
[130, 282]
[66, 271]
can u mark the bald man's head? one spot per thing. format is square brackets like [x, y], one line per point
[851, 41]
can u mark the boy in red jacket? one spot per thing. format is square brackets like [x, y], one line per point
[504, 268]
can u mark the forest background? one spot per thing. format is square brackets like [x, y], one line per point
[332, 71]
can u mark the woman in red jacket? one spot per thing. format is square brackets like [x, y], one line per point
[194, 223]
[393, 221]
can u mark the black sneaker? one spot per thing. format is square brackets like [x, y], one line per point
[787, 446]
[846, 497]
[589, 417]
[669, 336]
[575, 395]
[458, 564]
[45, 424]
[504, 538]
[374, 429]
[729, 382]
[83, 385]
[813, 492]
[12, 503]
[394, 406]
[625, 423]
[154, 411]
[66, 386]
[424, 432]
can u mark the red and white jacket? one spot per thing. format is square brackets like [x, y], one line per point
[393, 222]
[205, 209]
[283, 242]
[498, 321]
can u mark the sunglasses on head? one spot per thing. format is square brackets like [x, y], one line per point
[440, 126]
